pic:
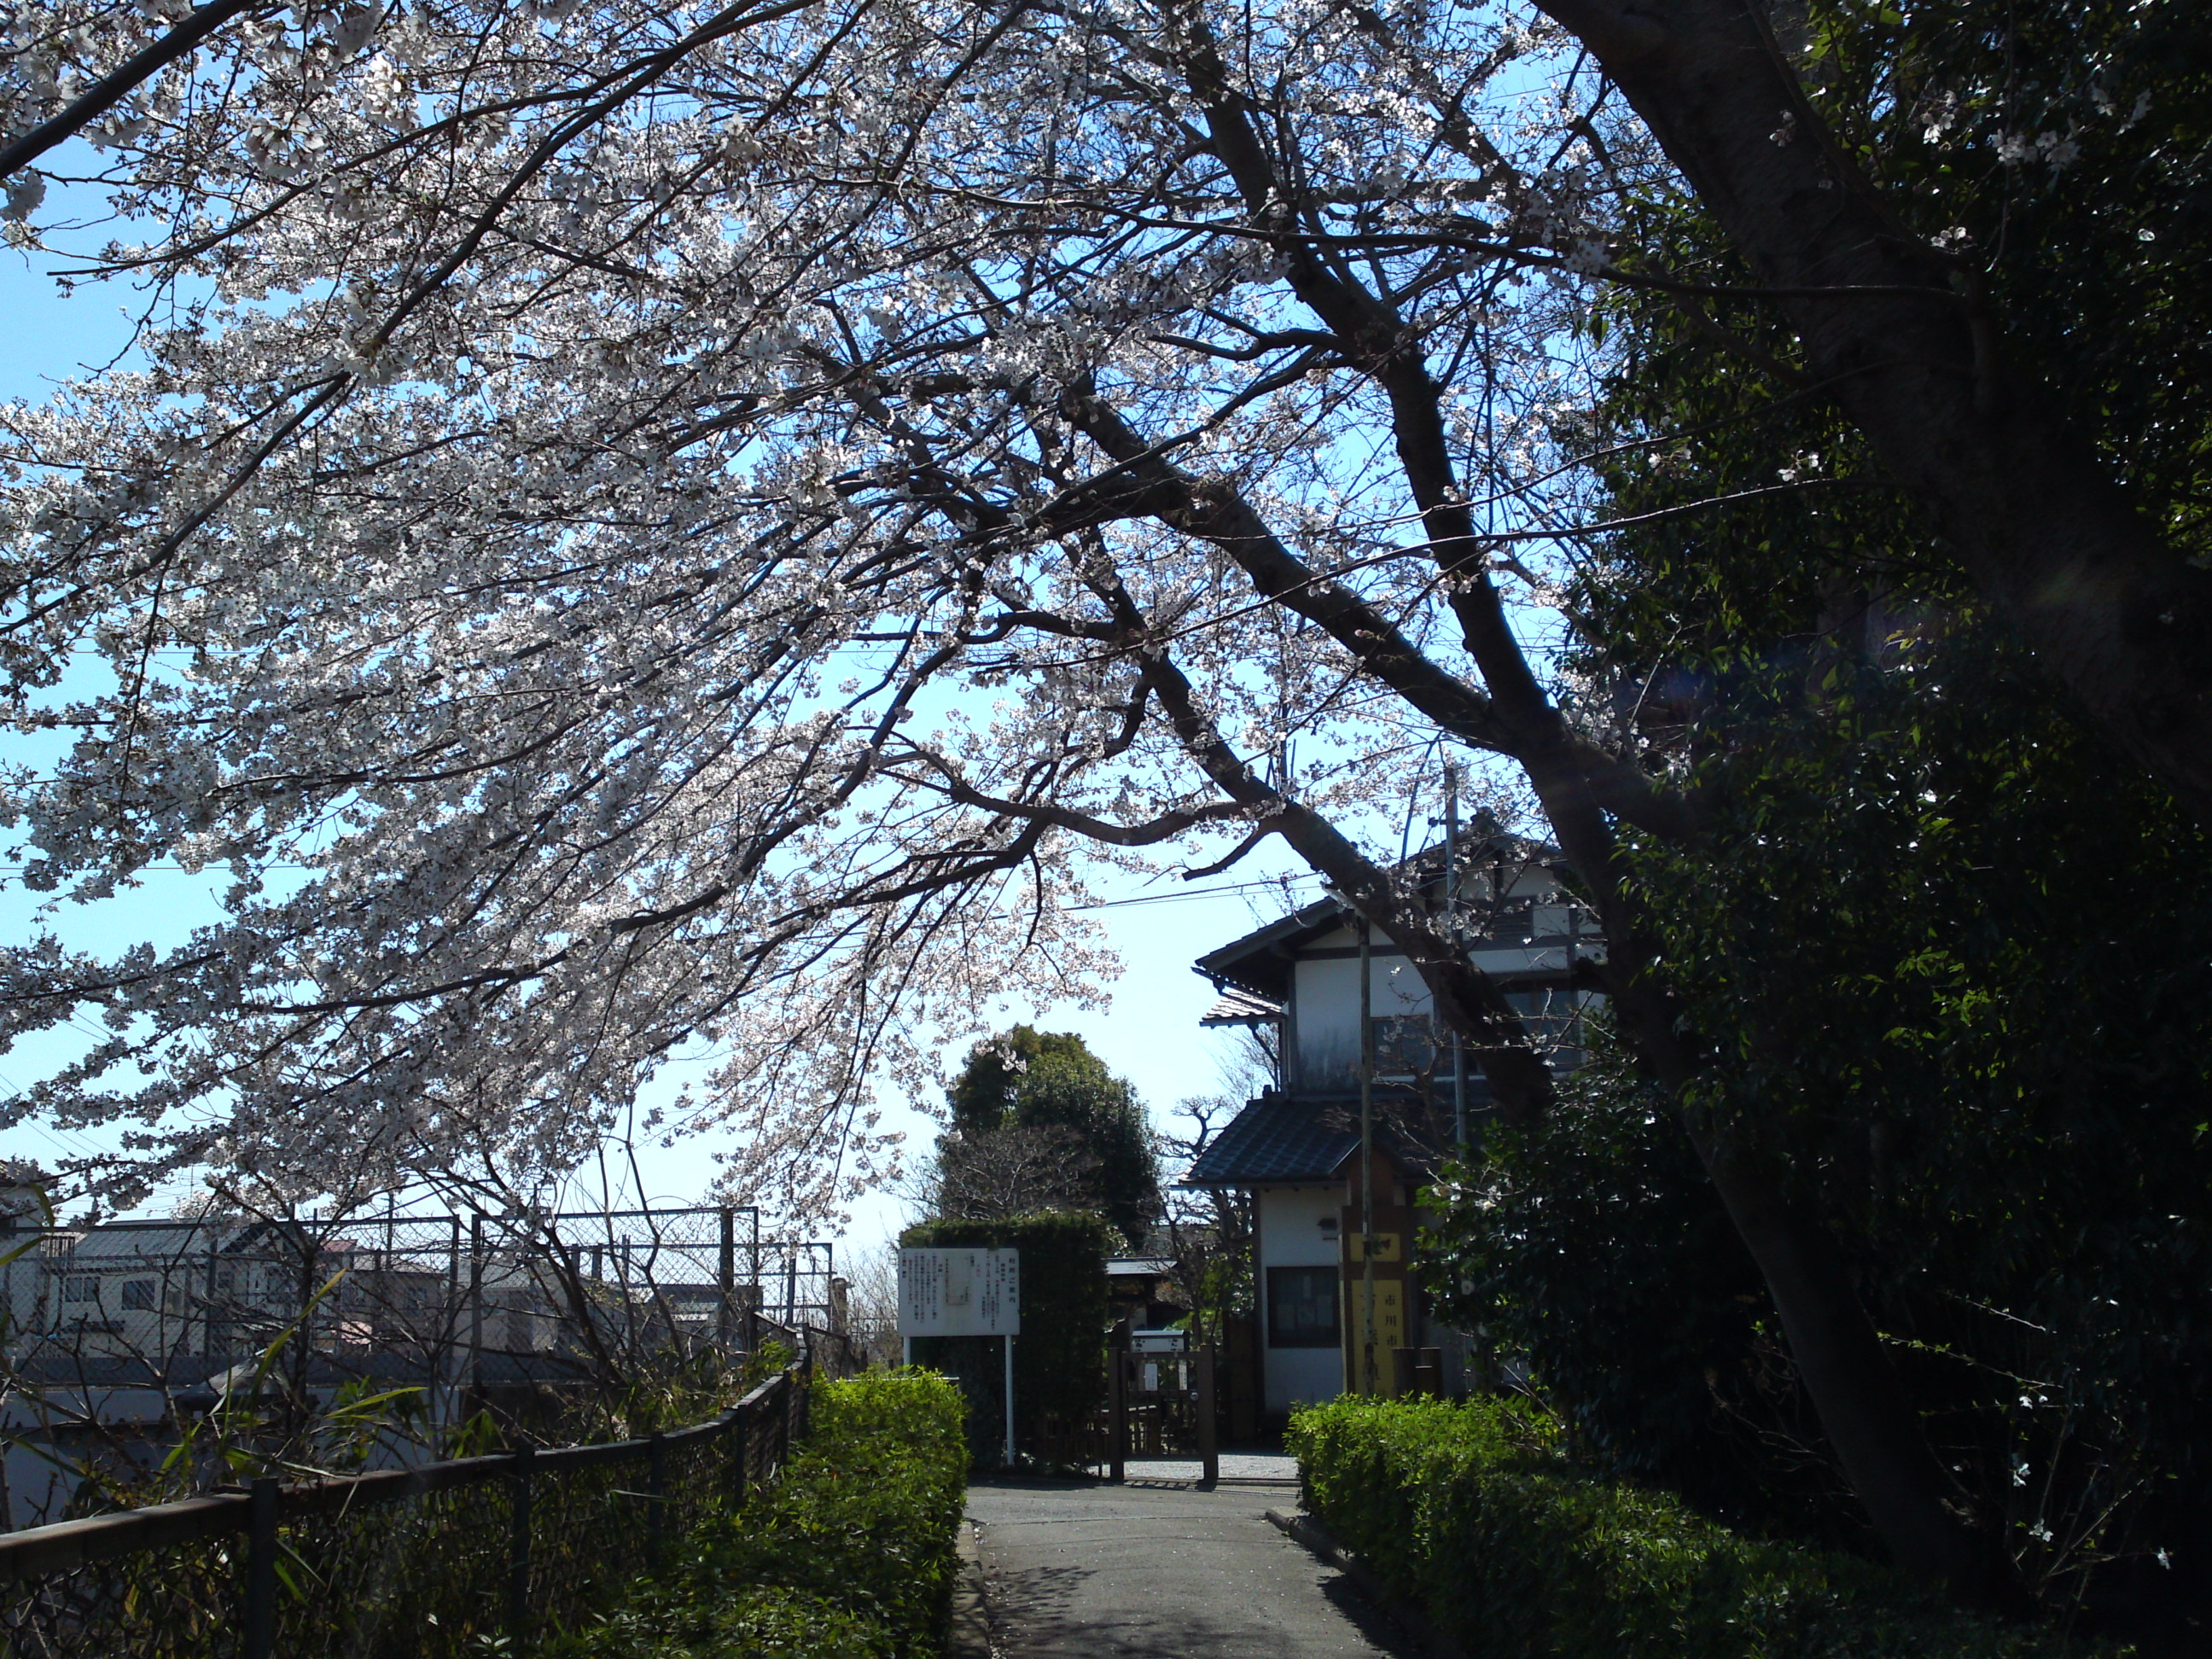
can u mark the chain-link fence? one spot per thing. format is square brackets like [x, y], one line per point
[115, 1338]
[429, 1295]
[465, 1557]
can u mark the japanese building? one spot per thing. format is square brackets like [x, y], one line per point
[1340, 1304]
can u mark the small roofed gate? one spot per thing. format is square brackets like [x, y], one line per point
[1161, 1404]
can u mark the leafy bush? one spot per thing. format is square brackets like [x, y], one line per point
[1591, 1244]
[849, 1554]
[1472, 1511]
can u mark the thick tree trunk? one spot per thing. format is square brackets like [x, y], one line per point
[1923, 1517]
[1893, 328]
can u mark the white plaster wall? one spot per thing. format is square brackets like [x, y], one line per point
[1290, 1236]
[1329, 1009]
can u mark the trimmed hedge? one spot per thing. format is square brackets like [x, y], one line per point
[849, 1554]
[1471, 1511]
[1060, 1357]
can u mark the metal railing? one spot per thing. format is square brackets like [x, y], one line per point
[442, 1559]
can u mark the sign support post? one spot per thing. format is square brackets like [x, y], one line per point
[1009, 1341]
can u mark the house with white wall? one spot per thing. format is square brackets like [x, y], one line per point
[156, 1291]
[1316, 1169]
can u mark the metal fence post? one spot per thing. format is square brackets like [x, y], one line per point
[726, 1280]
[476, 1311]
[260, 1634]
[517, 1552]
[214, 1335]
[1209, 1448]
[449, 1342]
[656, 1497]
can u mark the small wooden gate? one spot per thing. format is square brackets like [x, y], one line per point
[1162, 1405]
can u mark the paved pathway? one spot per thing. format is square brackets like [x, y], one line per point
[1158, 1572]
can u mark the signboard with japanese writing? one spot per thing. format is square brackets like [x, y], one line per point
[960, 1292]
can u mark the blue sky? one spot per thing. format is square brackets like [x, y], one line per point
[1150, 1033]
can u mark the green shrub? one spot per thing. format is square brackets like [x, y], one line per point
[765, 1622]
[1472, 1512]
[1591, 1244]
[1060, 1357]
[850, 1554]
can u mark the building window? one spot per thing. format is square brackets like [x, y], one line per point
[138, 1293]
[79, 1289]
[1302, 1307]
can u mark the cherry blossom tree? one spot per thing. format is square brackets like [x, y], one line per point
[73, 72]
[588, 572]
[646, 531]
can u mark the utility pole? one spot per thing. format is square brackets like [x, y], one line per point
[1366, 1161]
[1451, 933]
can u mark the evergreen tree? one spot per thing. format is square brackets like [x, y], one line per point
[1047, 1088]
[1947, 958]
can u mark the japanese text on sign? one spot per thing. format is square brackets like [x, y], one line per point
[960, 1292]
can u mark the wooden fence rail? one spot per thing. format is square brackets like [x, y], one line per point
[424, 1563]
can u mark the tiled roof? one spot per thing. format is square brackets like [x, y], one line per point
[1240, 1007]
[1260, 961]
[1275, 1137]
[1139, 1267]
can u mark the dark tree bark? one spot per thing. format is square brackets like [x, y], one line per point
[1915, 358]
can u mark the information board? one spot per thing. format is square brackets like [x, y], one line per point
[960, 1292]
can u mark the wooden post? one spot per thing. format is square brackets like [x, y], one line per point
[783, 1423]
[517, 1553]
[656, 1498]
[260, 1633]
[1209, 1448]
[1117, 1414]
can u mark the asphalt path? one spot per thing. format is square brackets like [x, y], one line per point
[1161, 1572]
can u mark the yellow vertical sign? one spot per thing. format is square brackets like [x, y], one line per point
[1389, 1329]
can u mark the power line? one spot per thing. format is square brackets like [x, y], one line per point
[1278, 883]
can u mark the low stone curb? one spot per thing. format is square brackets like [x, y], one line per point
[1309, 1531]
[968, 1629]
